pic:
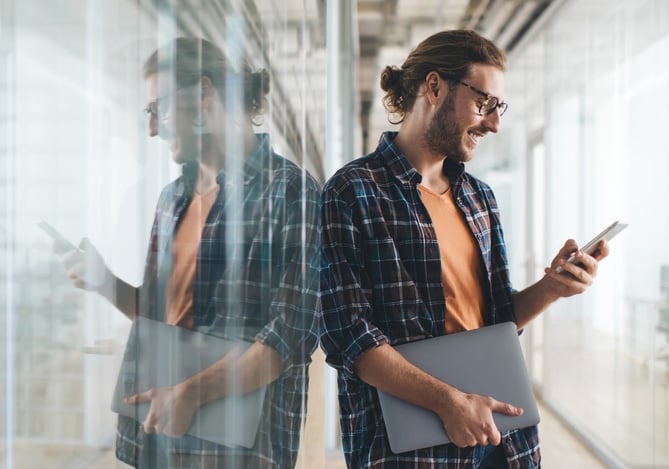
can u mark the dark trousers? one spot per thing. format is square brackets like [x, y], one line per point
[493, 458]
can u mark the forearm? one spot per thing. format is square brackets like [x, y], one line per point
[532, 301]
[235, 373]
[386, 369]
[121, 294]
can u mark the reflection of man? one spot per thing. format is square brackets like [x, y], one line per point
[413, 248]
[236, 253]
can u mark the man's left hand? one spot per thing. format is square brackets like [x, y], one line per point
[575, 277]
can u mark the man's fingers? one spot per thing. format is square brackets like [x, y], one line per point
[467, 440]
[71, 259]
[138, 398]
[570, 246]
[584, 272]
[150, 423]
[496, 439]
[569, 281]
[602, 250]
[505, 408]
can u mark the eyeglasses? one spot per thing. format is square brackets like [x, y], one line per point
[489, 104]
[153, 109]
[161, 107]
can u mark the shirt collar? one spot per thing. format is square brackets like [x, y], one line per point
[255, 162]
[395, 160]
[400, 167]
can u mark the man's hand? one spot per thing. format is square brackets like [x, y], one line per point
[468, 419]
[85, 267]
[171, 410]
[575, 277]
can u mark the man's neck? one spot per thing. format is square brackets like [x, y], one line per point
[214, 158]
[427, 163]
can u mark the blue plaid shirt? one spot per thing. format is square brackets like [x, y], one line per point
[381, 284]
[261, 283]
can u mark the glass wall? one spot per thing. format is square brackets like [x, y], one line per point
[585, 131]
[582, 145]
[76, 152]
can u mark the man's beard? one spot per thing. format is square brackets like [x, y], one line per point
[443, 136]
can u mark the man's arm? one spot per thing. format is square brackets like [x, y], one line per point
[573, 280]
[467, 418]
[121, 294]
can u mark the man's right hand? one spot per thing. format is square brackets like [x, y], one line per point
[468, 419]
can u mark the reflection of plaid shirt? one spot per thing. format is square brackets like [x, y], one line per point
[256, 279]
[381, 283]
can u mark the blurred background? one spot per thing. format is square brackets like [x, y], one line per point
[581, 146]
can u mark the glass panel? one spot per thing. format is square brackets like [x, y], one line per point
[600, 69]
[195, 178]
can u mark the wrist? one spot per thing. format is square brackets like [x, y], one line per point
[107, 286]
[191, 391]
[445, 401]
[547, 287]
[451, 403]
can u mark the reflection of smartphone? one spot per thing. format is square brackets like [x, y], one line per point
[62, 244]
[612, 230]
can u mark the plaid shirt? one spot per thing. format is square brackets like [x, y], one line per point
[381, 283]
[256, 279]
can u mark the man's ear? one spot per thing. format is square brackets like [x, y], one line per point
[434, 85]
[206, 91]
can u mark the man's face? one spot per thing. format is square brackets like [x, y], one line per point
[456, 127]
[173, 116]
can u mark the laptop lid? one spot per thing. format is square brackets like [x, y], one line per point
[158, 354]
[486, 361]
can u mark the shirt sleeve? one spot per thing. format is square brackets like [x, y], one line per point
[293, 328]
[345, 289]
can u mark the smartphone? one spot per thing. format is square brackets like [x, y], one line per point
[61, 243]
[606, 235]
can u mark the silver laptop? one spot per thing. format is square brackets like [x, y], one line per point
[486, 361]
[158, 354]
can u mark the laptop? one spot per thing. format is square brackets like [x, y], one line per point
[486, 361]
[158, 354]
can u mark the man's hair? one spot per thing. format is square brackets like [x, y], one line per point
[189, 59]
[449, 53]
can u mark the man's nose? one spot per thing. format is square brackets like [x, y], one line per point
[491, 121]
[153, 125]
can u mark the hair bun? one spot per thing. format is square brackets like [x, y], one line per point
[390, 77]
[260, 82]
[257, 87]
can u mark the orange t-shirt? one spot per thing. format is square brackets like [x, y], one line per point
[461, 272]
[179, 303]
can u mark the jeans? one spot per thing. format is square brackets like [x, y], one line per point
[154, 454]
[490, 457]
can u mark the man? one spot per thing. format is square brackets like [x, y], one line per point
[234, 252]
[413, 248]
